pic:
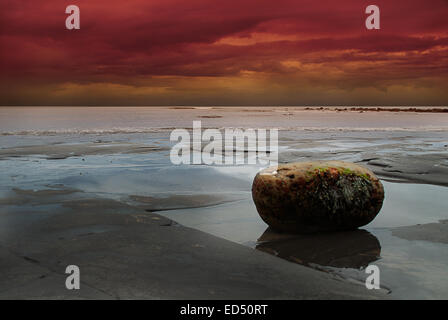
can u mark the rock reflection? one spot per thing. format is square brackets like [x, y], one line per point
[350, 249]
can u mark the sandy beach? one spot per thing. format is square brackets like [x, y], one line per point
[95, 187]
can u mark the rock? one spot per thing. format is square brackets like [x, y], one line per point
[317, 196]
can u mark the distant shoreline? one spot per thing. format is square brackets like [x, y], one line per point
[416, 109]
[382, 109]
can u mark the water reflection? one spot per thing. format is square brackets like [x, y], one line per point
[350, 249]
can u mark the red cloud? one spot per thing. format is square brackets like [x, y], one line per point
[125, 41]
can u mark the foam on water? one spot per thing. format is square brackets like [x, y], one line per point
[113, 131]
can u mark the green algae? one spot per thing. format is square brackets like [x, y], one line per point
[341, 171]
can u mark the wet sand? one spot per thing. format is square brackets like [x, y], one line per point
[42, 230]
[63, 151]
[109, 201]
[433, 232]
[126, 253]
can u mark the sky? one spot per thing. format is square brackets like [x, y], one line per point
[215, 52]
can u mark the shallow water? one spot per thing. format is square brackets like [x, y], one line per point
[404, 205]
